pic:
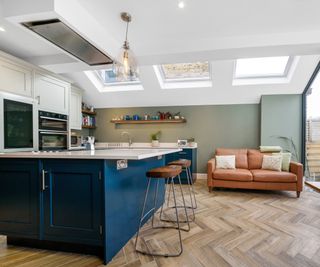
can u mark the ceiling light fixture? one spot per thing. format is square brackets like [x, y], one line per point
[125, 67]
[181, 4]
[2, 29]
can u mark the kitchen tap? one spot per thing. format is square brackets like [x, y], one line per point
[129, 137]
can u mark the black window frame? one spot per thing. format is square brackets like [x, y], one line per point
[304, 113]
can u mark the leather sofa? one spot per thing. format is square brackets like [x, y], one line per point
[249, 175]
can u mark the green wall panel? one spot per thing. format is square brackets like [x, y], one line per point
[235, 126]
[281, 115]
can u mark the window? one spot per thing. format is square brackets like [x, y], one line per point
[262, 67]
[264, 70]
[106, 81]
[184, 75]
[186, 71]
[108, 77]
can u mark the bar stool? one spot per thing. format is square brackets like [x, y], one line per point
[169, 173]
[185, 165]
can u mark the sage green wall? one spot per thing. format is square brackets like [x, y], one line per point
[235, 126]
[281, 115]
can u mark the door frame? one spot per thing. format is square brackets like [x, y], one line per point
[304, 113]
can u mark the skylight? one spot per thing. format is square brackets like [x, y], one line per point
[186, 71]
[108, 77]
[263, 67]
[184, 75]
[106, 81]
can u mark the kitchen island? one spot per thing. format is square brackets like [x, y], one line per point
[75, 200]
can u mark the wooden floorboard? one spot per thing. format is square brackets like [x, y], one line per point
[232, 228]
[313, 185]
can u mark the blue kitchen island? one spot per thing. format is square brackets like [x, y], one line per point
[86, 201]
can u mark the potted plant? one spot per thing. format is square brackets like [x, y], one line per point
[191, 142]
[155, 139]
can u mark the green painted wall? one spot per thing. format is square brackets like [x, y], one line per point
[281, 115]
[235, 126]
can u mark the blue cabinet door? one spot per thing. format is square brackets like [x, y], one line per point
[19, 198]
[186, 153]
[72, 201]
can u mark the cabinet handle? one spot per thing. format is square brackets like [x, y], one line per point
[44, 180]
[38, 97]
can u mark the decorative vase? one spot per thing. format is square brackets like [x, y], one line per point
[155, 143]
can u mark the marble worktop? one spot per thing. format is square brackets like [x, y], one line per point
[110, 153]
[99, 145]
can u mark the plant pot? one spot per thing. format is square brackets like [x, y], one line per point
[192, 144]
[155, 143]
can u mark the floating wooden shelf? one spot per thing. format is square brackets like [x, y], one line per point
[88, 112]
[147, 121]
[88, 127]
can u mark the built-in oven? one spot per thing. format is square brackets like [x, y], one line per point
[49, 121]
[53, 131]
[53, 140]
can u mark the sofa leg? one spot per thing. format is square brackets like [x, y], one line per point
[298, 194]
[210, 189]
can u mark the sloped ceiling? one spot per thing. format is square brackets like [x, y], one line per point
[211, 30]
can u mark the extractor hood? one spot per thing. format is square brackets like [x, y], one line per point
[67, 39]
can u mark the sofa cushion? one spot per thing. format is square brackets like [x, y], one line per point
[241, 156]
[273, 176]
[226, 162]
[233, 175]
[255, 158]
[272, 163]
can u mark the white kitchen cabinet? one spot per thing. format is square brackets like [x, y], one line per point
[51, 93]
[15, 78]
[75, 114]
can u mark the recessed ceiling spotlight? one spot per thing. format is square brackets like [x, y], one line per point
[2, 29]
[181, 4]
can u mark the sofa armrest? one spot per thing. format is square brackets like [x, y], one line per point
[211, 166]
[297, 169]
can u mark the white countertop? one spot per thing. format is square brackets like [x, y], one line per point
[120, 153]
[141, 145]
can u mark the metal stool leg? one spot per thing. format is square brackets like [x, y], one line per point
[192, 198]
[155, 203]
[142, 213]
[168, 200]
[153, 209]
[184, 204]
[192, 189]
[180, 206]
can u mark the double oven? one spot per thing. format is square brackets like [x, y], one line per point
[53, 131]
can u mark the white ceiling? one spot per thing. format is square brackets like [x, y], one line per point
[213, 30]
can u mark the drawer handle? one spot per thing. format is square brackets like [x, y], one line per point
[182, 153]
[44, 180]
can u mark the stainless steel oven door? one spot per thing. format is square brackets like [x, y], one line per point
[53, 124]
[50, 140]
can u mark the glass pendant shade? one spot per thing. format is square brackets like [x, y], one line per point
[126, 65]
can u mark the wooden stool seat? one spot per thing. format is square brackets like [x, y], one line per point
[164, 172]
[181, 162]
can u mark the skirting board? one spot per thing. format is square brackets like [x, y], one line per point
[201, 176]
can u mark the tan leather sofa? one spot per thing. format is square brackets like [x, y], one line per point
[249, 175]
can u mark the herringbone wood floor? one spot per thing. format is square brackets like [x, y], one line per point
[232, 228]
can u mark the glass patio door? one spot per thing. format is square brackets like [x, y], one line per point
[312, 142]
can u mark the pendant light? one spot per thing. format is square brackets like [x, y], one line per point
[125, 67]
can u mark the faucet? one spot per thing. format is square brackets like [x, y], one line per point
[129, 137]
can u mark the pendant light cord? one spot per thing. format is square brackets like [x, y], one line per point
[127, 31]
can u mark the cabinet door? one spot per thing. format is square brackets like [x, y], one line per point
[19, 197]
[52, 94]
[72, 201]
[75, 109]
[15, 78]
